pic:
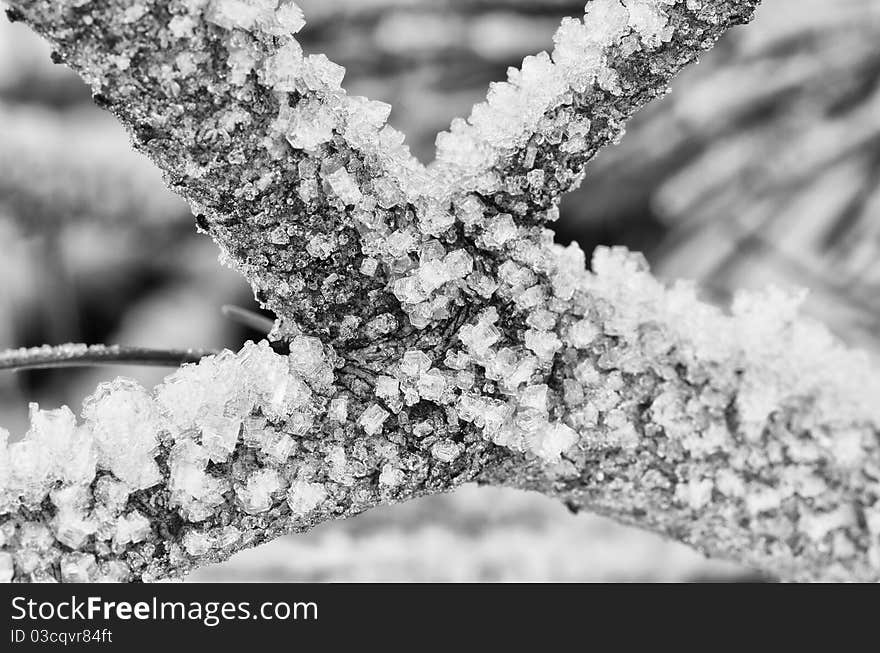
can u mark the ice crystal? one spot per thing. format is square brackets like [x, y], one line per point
[369, 266]
[391, 476]
[344, 186]
[71, 523]
[373, 418]
[194, 490]
[414, 362]
[256, 494]
[338, 411]
[131, 528]
[387, 388]
[545, 344]
[6, 567]
[303, 496]
[307, 126]
[321, 246]
[446, 451]
[123, 419]
[196, 543]
[78, 567]
[275, 17]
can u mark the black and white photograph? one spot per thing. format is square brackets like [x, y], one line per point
[437, 292]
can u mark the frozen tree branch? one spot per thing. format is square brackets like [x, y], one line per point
[79, 355]
[436, 334]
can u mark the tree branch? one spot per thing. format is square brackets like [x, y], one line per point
[78, 355]
[448, 339]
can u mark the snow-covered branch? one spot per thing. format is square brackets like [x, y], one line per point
[436, 334]
[80, 355]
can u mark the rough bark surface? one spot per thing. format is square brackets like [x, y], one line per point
[432, 332]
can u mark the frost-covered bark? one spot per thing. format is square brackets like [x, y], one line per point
[436, 334]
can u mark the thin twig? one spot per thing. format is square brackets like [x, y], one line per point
[248, 318]
[79, 355]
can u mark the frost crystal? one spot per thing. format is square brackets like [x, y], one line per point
[78, 567]
[391, 476]
[446, 451]
[307, 358]
[131, 528]
[195, 491]
[124, 421]
[414, 363]
[373, 418]
[556, 441]
[321, 246]
[431, 384]
[275, 17]
[307, 126]
[303, 497]
[338, 411]
[71, 523]
[196, 543]
[544, 343]
[387, 388]
[344, 187]
[256, 494]
[6, 567]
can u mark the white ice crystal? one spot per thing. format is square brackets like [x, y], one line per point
[194, 490]
[431, 384]
[321, 74]
[534, 397]
[53, 448]
[131, 528]
[544, 344]
[373, 418]
[6, 567]
[649, 21]
[390, 476]
[307, 358]
[196, 543]
[338, 411]
[125, 423]
[696, 493]
[78, 567]
[256, 494]
[387, 388]
[303, 497]
[278, 446]
[414, 362]
[446, 451]
[321, 246]
[582, 333]
[499, 231]
[369, 266]
[275, 17]
[479, 337]
[307, 126]
[559, 439]
[71, 523]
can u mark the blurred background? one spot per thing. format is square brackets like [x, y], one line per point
[762, 166]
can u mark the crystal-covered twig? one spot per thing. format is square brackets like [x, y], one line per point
[437, 335]
[80, 355]
[248, 318]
